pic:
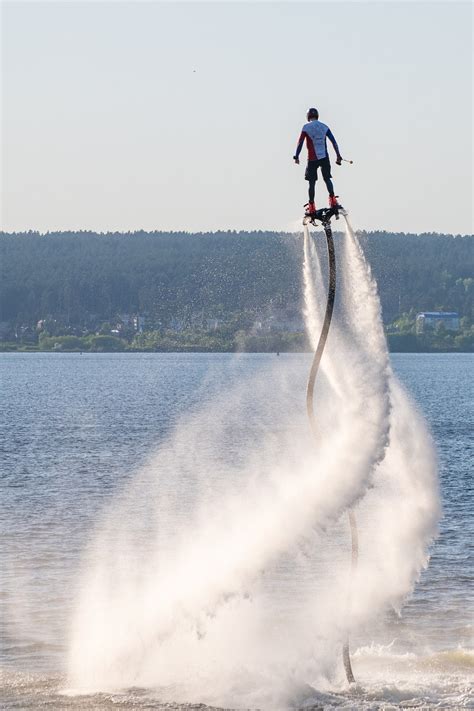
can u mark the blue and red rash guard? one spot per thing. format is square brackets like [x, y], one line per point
[315, 133]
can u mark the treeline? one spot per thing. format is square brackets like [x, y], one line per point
[77, 277]
[165, 275]
[426, 272]
[219, 341]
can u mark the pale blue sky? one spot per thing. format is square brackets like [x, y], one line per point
[107, 127]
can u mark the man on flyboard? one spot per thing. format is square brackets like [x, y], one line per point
[315, 133]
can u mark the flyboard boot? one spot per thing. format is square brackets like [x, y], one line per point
[310, 209]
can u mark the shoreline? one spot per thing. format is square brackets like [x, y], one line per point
[192, 351]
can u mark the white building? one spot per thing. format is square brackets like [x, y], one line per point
[431, 320]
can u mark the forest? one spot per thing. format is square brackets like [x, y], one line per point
[82, 283]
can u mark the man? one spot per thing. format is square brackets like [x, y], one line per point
[315, 133]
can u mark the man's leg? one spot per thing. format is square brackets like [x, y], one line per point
[330, 187]
[311, 175]
[326, 171]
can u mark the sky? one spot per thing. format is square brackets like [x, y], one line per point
[185, 116]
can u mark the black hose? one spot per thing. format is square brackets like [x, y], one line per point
[346, 656]
[310, 407]
[325, 329]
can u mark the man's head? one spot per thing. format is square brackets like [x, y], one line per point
[312, 115]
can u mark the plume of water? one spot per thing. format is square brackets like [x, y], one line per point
[220, 573]
[399, 513]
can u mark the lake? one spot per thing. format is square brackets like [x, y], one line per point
[78, 429]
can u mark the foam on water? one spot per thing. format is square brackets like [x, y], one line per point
[395, 679]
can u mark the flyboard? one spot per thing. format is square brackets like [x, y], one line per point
[323, 217]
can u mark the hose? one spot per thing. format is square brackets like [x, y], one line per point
[310, 406]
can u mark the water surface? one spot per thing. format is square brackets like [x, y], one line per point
[76, 428]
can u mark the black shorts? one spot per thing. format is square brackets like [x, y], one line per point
[311, 173]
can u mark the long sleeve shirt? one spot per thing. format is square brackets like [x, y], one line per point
[315, 134]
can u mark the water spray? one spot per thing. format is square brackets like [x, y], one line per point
[324, 216]
[163, 594]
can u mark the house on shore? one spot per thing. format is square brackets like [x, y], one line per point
[433, 320]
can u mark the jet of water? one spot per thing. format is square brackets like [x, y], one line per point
[220, 573]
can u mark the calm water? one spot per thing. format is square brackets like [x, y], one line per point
[76, 428]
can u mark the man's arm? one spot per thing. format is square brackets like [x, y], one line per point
[296, 157]
[335, 146]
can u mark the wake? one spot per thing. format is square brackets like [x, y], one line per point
[220, 573]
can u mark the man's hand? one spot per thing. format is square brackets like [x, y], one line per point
[296, 159]
[339, 160]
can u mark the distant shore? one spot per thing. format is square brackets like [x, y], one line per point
[13, 348]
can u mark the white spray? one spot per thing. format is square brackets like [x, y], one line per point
[397, 530]
[220, 573]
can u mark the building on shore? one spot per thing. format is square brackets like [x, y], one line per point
[433, 320]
